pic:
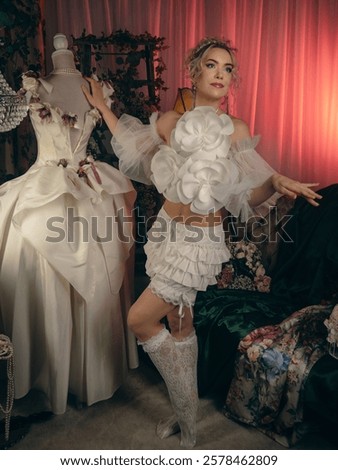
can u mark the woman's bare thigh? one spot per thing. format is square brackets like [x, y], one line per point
[180, 328]
[146, 313]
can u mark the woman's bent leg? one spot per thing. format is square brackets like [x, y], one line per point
[175, 360]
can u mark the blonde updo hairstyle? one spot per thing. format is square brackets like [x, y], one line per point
[194, 58]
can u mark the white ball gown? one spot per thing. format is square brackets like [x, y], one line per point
[66, 265]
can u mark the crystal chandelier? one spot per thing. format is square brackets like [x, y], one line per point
[13, 107]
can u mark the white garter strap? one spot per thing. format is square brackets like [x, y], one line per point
[181, 314]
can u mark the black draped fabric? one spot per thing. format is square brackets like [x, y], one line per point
[322, 387]
[306, 271]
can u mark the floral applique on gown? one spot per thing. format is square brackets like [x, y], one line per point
[64, 294]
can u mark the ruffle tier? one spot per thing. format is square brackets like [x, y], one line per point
[187, 255]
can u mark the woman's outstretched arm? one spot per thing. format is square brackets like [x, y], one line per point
[276, 182]
[286, 186]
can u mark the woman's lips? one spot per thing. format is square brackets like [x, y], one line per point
[217, 85]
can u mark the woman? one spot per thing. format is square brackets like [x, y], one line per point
[203, 162]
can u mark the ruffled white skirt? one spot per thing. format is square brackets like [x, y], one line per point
[183, 259]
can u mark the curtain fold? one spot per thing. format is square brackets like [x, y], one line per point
[288, 57]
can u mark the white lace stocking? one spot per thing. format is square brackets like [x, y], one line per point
[167, 427]
[176, 361]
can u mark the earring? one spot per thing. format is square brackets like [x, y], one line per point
[194, 89]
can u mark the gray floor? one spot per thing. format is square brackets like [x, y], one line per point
[128, 421]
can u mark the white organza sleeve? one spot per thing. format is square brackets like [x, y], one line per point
[135, 144]
[253, 171]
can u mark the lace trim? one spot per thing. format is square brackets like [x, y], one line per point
[181, 304]
[153, 343]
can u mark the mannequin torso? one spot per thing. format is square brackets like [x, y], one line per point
[66, 93]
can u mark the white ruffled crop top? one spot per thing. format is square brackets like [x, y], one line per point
[201, 167]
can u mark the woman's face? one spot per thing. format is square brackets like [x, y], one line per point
[216, 74]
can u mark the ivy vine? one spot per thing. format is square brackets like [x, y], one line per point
[129, 50]
[19, 22]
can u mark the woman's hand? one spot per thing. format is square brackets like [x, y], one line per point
[96, 98]
[291, 188]
[95, 95]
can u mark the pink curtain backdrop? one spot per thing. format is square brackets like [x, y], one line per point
[288, 57]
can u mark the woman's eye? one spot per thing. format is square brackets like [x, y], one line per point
[229, 69]
[210, 66]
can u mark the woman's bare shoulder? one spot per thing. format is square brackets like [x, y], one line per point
[241, 131]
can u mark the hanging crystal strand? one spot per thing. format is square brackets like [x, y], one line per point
[13, 107]
[6, 353]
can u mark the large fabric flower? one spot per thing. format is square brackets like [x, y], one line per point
[164, 167]
[200, 180]
[203, 130]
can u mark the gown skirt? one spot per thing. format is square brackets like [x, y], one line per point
[66, 281]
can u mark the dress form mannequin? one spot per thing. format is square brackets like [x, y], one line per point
[65, 290]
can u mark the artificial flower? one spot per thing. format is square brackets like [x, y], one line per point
[69, 119]
[201, 181]
[203, 130]
[30, 83]
[164, 167]
[45, 113]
